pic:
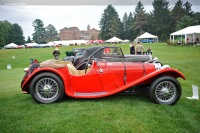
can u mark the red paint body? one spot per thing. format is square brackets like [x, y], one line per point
[104, 78]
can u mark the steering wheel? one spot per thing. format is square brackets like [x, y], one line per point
[86, 65]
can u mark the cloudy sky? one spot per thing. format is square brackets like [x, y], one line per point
[66, 15]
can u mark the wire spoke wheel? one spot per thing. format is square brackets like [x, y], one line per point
[47, 89]
[165, 91]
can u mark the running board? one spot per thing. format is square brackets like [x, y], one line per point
[90, 94]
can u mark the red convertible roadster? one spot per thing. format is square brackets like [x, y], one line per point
[49, 81]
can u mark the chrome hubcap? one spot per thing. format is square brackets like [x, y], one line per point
[165, 91]
[47, 89]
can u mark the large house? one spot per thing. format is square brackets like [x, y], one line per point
[73, 33]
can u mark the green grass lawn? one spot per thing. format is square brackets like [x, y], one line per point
[119, 113]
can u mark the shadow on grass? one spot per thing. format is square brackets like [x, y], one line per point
[137, 97]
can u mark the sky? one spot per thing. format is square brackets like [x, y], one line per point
[66, 15]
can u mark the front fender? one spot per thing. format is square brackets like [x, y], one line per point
[63, 73]
[168, 71]
[146, 79]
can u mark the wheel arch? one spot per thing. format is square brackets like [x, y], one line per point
[62, 76]
[167, 72]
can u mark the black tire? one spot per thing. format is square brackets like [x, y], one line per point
[47, 87]
[165, 90]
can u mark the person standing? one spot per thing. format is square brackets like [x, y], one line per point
[132, 49]
[139, 49]
[56, 53]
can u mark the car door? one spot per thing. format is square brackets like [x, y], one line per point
[86, 83]
[106, 76]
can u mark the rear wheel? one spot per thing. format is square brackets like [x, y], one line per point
[165, 90]
[47, 88]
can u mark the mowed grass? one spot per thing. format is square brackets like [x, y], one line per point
[119, 113]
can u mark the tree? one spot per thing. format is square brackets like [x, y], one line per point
[197, 18]
[160, 19]
[110, 24]
[140, 22]
[5, 27]
[93, 37]
[188, 9]
[38, 35]
[131, 30]
[125, 26]
[177, 13]
[16, 34]
[139, 7]
[28, 40]
[185, 22]
[50, 33]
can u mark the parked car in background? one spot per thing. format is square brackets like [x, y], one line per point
[71, 55]
[149, 40]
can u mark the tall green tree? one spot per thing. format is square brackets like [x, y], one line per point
[50, 33]
[125, 26]
[110, 23]
[185, 22]
[140, 22]
[160, 19]
[188, 9]
[177, 13]
[16, 34]
[197, 18]
[28, 40]
[131, 30]
[139, 7]
[38, 35]
[5, 27]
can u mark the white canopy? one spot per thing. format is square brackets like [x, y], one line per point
[126, 40]
[147, 35]
[114, 39]
[31, 45]
[11, 45]
[189, 32]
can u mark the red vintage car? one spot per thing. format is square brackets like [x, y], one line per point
[49, 81]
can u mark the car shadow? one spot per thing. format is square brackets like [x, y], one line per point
[138, 96]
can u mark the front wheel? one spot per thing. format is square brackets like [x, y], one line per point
[165, 90]
[47, 88]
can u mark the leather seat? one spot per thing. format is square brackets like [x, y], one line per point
[72, 69]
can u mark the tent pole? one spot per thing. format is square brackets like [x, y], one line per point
[181, 39]
[193, 39]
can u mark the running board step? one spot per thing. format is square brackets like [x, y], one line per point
[90, 94]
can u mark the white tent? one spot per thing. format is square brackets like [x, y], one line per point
[11, 45]
[114, 39]
[31, 45]
[191, 32]
[126, 41]
[147, 36]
